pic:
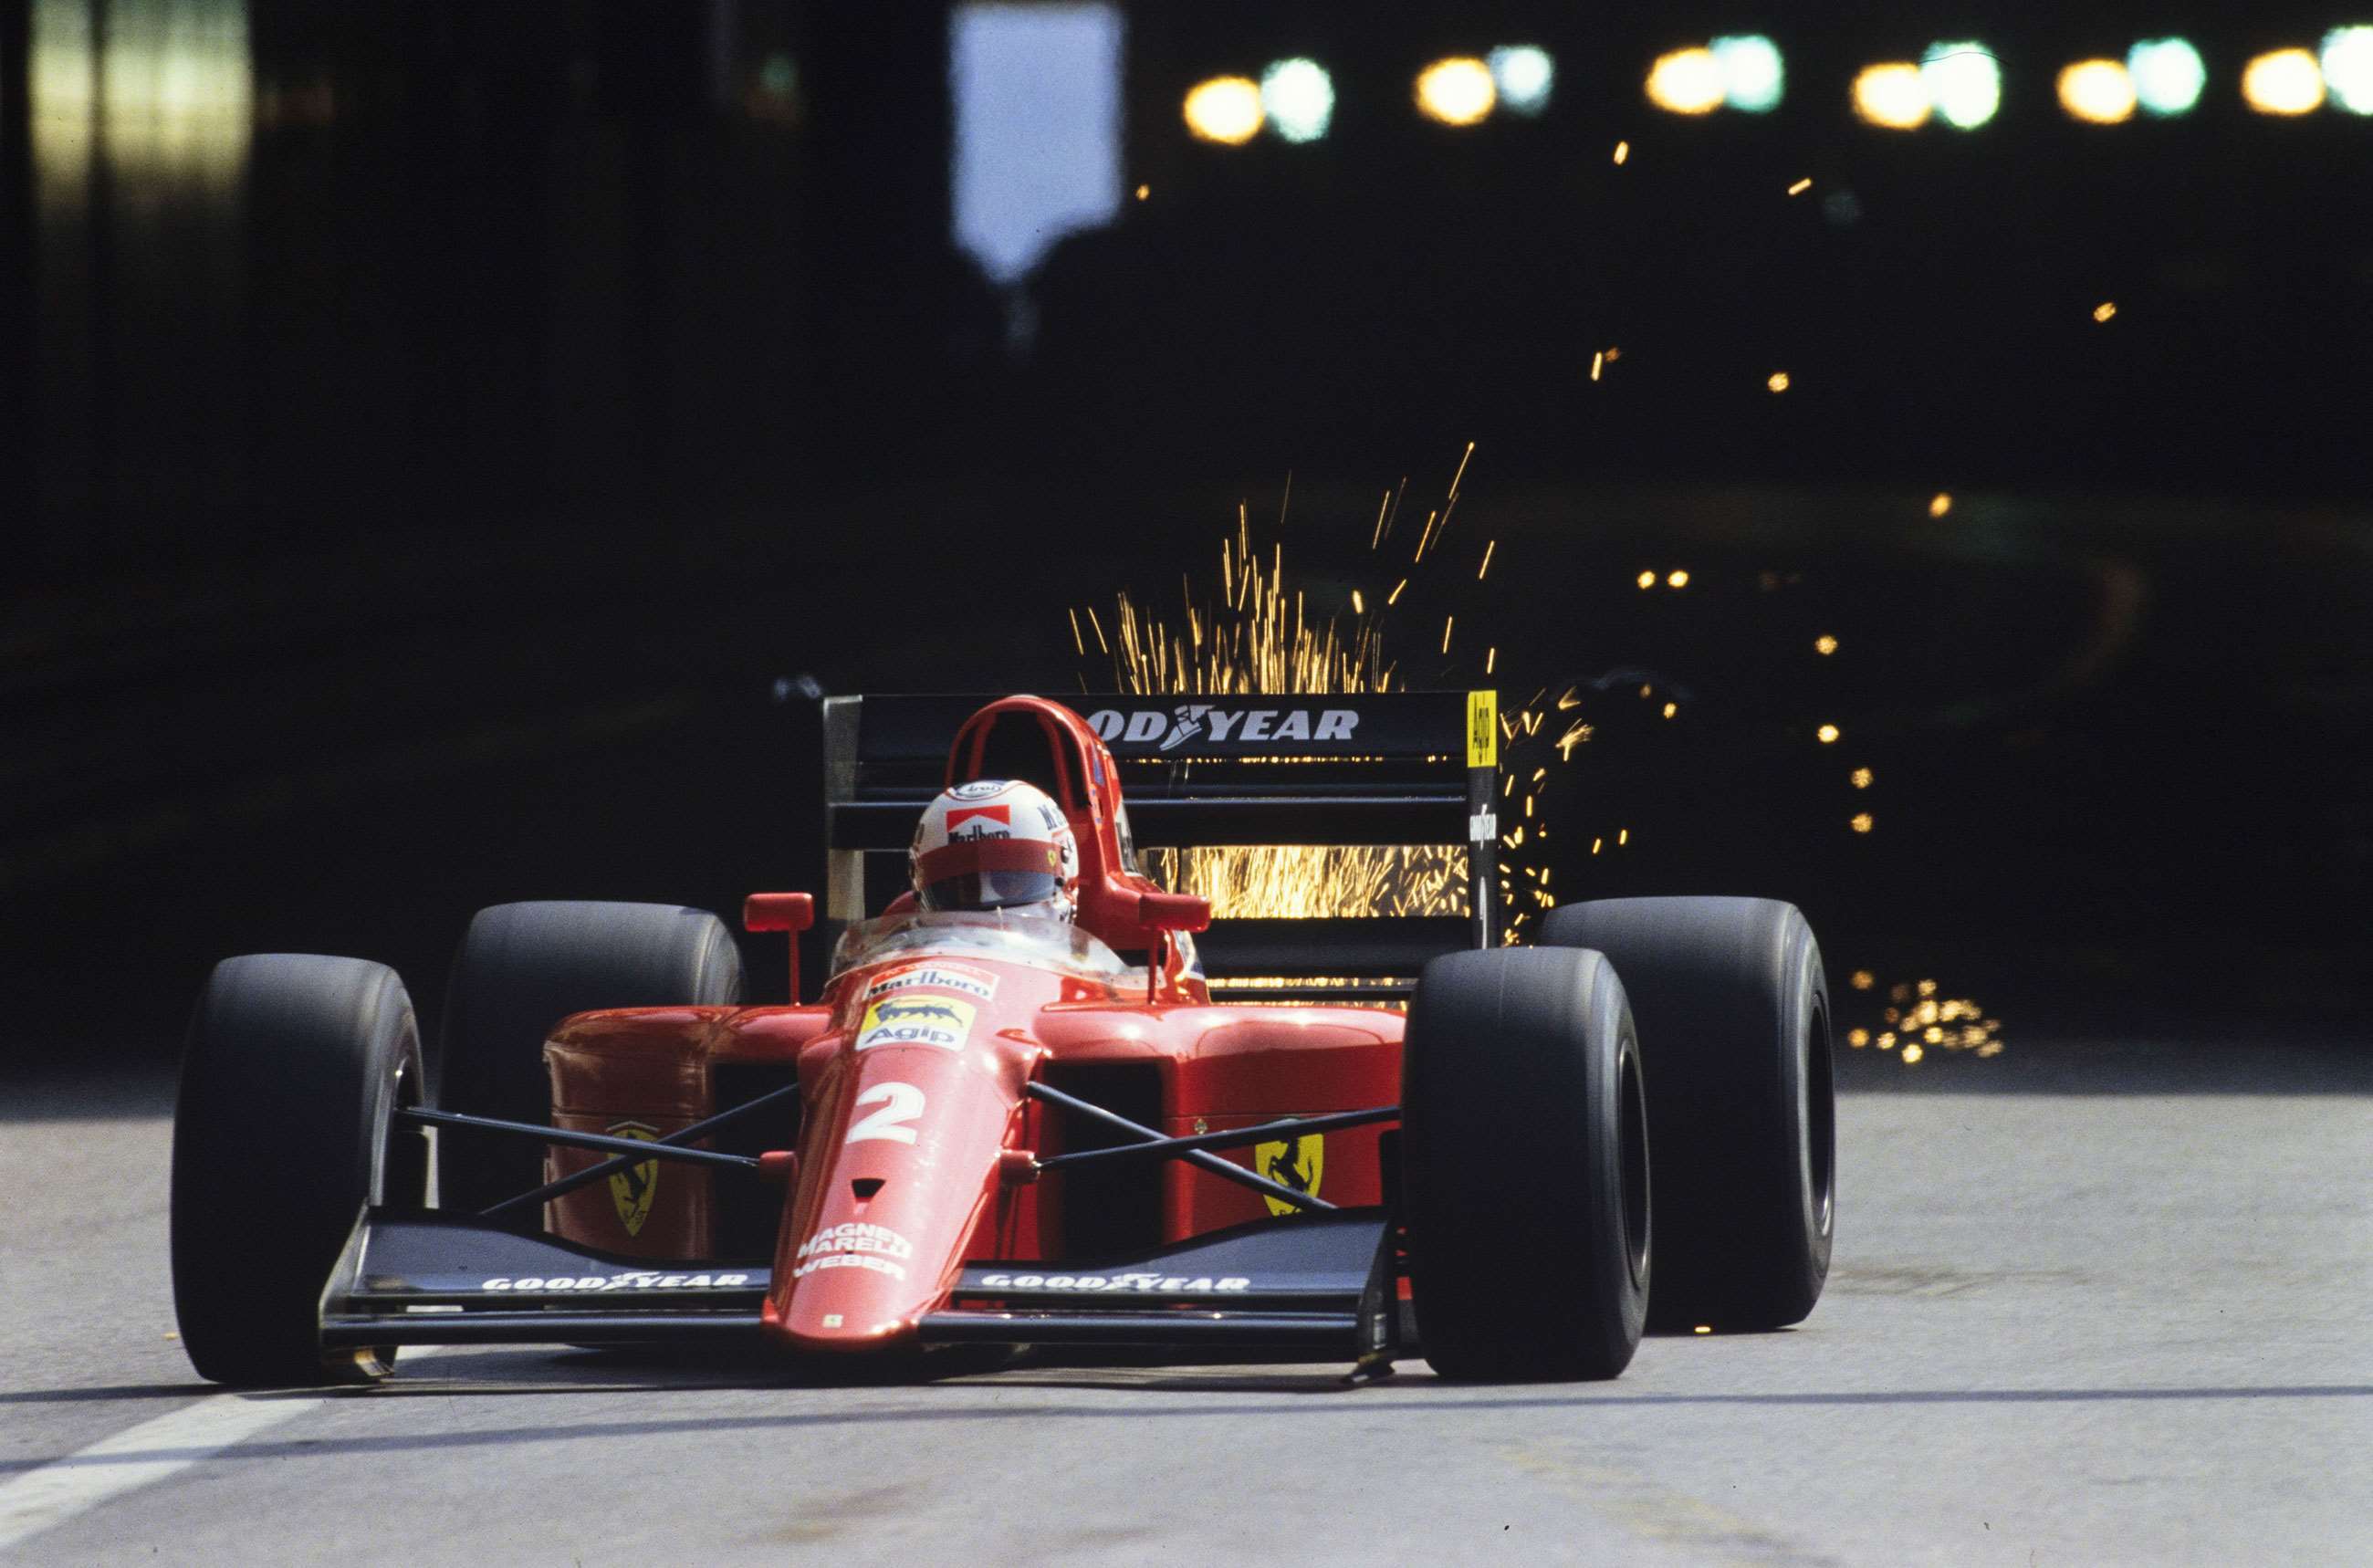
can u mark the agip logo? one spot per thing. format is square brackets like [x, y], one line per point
[913, 1019]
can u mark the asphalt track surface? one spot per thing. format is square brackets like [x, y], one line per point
[2093, 1302]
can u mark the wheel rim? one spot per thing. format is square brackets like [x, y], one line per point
[1632, 1140]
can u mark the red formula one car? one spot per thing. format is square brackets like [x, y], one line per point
[992, 1129]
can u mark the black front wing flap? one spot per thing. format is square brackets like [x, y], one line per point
[1326, 1282]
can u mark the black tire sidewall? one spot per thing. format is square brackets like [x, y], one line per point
[1732, 1011]
[1512, 1172]
[294, 1066]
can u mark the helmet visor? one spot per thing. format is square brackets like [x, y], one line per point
[988, 890]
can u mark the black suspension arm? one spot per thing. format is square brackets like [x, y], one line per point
[638, 1149]
[1232, 1138]
[595, 1172]
[1197, 1157]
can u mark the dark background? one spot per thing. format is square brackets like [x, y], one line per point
[433, 430]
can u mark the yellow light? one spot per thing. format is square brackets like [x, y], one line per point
[1800, 187]
[1892, 96]
[2104, 311]
[1671, 708]
[1912, 1053]
[1857, 1038]
[1597, 845]
[1359, 605]
[2287, 81]
[1622, 836]
[1143, 192]
[1687, 81]
[1861, 777]
[2098, 91]
[1647, 579]
[1488, 546]
[1826, 734]
[1457, 91]
[1825, 644]
[1862, 822]
[1598, 363]
[1778, 381]
[1226, 109]
[1490, 657]
[1863, 979]
[1939, 504]
[1622, 151]
[1677, 579]
[1704, 1328]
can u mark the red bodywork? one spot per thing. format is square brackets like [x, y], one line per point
[915, 1156]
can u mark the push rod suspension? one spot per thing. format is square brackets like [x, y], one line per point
[611, 1166]
[1232, 1138]
[1197, 1157]
[636, 1147]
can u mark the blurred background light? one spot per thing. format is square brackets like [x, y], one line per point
[1225, 110]
[2097, 92]
[1524, 75]
[1892, 95]
[1298, 96]
[1457, 91]
[1963, 80]
[2347, 63]
[1752, 74]
[2287, 81]
[2168, 75]
[152, 92]
[1037, 133]
[1687, 81]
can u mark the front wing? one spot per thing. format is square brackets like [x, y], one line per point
[1326, 1282]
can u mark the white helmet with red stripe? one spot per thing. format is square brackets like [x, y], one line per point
[995, 844]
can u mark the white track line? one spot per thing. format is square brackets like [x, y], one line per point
[137, 1457]
[143, 1455]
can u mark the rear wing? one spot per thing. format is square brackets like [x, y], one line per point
[1360, 769]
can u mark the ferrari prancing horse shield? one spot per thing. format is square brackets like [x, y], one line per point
[1295, 1164]
[632, 1189]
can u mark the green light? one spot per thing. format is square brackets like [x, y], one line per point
[1298, 97]
[2167, 76]
[1524, 74]
[1964, 83]
[2347, 61]
[1752, 74]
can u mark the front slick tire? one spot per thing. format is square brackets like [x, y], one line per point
[1735, 1015]
[1525, 1174]
[295, 1066]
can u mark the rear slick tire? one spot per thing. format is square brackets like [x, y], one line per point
[1525, 1167]
[523, 969]
[1734, 1014]
[283, 1132]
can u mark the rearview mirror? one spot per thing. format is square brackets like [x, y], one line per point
[792, 912]
[1174, 911]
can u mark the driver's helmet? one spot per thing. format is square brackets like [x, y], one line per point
[995, 844]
